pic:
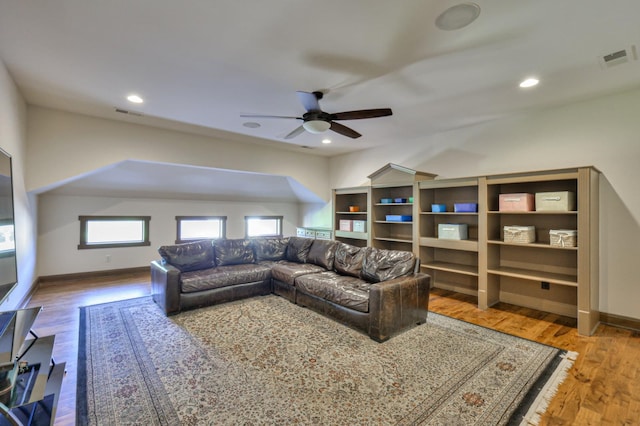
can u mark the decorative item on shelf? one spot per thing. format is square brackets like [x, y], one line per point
[399, 200]
[354, 209]
[563, 237]
[398, 218]
[359, 226]
[438, 208]
[465, 207]
[386, 201]
[521, 202]
[346, 225]
[411, 199]
[563, 201]
[519, 234]
[453, 231]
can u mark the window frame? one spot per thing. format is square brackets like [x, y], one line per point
[280, 220]
[223, 225]
[84, 220]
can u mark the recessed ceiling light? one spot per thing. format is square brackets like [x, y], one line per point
[458, 16]
[529, 82]
[135, 99]
[326, 141]
[251, 124]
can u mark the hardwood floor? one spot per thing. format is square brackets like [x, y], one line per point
[61, 316]
[603, 387]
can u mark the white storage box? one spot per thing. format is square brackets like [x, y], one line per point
[563, 237]
[453, 231]
[346, 225]
[359, 226]
[563, 201]
[519, 234]
[323, 235]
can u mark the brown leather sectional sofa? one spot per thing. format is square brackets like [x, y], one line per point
[380, 292]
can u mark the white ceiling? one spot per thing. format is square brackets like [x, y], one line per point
[201, 64]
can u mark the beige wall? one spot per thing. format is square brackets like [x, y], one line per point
[603, 132]
[13, 117]
[64, 145]
[59, 228]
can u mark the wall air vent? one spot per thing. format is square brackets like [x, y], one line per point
[124, 111]
[618, 57]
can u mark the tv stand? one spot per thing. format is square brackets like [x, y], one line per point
[30, 380]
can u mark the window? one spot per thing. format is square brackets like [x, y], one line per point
[192, 228]
[263, 226]
[113, 231]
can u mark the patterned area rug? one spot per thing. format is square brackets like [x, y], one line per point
[267, 361]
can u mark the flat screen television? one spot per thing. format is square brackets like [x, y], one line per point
[8, 264]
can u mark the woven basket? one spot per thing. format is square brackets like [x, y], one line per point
[519, 234]
[563, 238]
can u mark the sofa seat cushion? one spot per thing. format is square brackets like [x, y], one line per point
[287, 272]
[223, 276]
[343, 290]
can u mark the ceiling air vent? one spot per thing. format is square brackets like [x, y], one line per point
[124, 111]
[618, 57]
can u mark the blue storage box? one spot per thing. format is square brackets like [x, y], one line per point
[399, 218]
[386, 201]
[465, 207]
[399, 200]
[438, 208]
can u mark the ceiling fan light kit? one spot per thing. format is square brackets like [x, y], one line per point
[316, 126]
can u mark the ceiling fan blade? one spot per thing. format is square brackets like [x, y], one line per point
[363, 113]
[268, 116]
[295, 132]
[344, 130]
[309, 101]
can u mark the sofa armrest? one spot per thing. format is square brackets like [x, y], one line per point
[398, 304]
[165, 286]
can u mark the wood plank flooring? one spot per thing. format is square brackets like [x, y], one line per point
[603, 387]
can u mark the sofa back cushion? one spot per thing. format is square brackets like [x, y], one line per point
[348, 259]
[298, 249]
[189, 256]
[233, 252]
[270, 248]
[322, 253]
[382, 265]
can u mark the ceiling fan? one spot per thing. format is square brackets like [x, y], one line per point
[317, 121]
